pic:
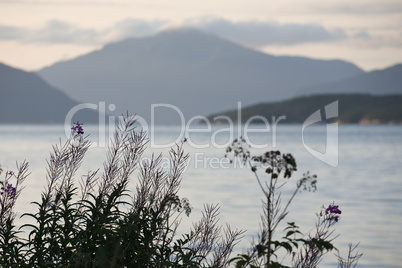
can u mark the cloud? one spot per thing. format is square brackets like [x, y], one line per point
[60, 32]
[57, 31]
[10, 33]
[258, 34]
[54, 31]
[249, 33]
[362, 34]
[129, 28]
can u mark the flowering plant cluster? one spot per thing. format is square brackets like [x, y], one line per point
[305, 249]
[101, 223]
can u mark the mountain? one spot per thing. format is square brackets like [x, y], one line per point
[386, 81]
[352, 108]
[26, 98]
[196, 72]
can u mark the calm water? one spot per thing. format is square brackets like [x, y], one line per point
[366, 184]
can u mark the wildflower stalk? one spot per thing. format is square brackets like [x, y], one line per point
[11, 248]
[274, 164]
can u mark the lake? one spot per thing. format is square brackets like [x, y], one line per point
[366, 182]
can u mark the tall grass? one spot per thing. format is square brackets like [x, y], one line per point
[97, 222]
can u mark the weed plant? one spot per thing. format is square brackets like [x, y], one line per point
[100, 223]
[305, 250]
[96, 221]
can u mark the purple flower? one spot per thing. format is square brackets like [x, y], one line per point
[78, 128]
[10, 173]
[9, 191]
[185, 140]
[332, 209]
[332, 213]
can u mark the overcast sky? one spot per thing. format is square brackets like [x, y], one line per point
[34, 34]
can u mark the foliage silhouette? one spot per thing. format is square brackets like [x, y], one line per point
[101, 223]
[305, 252]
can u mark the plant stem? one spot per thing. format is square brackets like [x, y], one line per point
[258, 180]
[269, 221]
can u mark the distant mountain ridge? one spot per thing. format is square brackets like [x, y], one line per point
[26, 99]
[187, 73]
[196, 72]
[352, 109]
[386, 81]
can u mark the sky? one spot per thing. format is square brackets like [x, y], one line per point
[35, 34]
